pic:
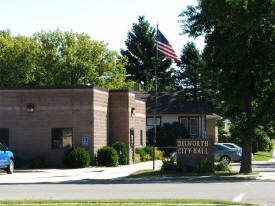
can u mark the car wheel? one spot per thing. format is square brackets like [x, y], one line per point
[10, 167]
[225, 159]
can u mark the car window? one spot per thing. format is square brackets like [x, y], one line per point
[218, 147]
[229, 145]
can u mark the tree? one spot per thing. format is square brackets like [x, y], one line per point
[189, 74]
[141, 54]
[60, 59]
[17, 59]
[239, 55]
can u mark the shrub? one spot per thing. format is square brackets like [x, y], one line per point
[204, 166]
[121, 149]
[142, 154]
[264, 143]
[169, 165]
[137, 158]
[159, 154]
[78, 157]
[223, 166]
[40, 162]
[107, 156]
[165, 137]
[148, 152]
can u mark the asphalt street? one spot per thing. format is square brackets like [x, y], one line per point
[257, 191]
[69, 184]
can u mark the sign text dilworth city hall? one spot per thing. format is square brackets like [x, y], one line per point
[190, 151]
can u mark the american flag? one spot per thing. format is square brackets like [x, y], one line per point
[164, 47]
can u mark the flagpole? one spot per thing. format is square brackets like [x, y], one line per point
[155, 109]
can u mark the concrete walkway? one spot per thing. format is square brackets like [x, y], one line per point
[66, 175]
[267, 169]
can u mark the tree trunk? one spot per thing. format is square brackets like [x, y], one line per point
[246, 165]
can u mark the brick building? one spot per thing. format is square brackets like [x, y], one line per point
[49, 121]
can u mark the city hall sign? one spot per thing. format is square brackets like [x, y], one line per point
[190, 151]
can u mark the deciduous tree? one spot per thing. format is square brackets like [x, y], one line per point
[240, 59]
[58, 58]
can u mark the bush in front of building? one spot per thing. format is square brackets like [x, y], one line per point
[121, 149]
[142, 154]
[223, 166]
[137, 158]
[264, 142]
[40, 162]
[107, 156]
[169, 165]
[164, 134]
[204, 166]
[159, 154]
[148, 152]
[78, 157]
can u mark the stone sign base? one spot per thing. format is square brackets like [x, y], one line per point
[191, 151]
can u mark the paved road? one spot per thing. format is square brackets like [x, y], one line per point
[67, 184]
[259, 191]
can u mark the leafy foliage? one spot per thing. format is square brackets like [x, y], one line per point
[204, 166]
[164, 135]
[122, 152]
[141, 55]
[169, 165]
[239, 80]
[58, 58]
[223, 166]
[78, 157]
[141, 153]
[149, 152]
[264, 142]
[107, 156]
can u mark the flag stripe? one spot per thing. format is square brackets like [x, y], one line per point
[164, 47]
[169, 47]
[167, 51]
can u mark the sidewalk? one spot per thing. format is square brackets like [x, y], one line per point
[267, 169]
[66, 175]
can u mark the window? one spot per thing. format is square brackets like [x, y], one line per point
[194, 126]
[4, 136]
[150, 121]
[191, 124]
[184, 121]
[62, 138]
[141, 137]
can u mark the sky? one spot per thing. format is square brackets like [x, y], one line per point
[104, 20]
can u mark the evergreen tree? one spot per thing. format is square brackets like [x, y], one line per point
[141, 54]
[189, 74]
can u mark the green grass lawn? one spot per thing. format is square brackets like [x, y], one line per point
[157, 173]
[262, 156]
[138, 202]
